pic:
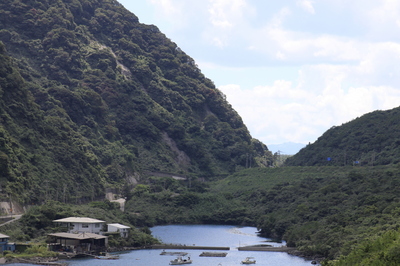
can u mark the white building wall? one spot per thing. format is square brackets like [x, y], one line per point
[123, 231]
[86, 228]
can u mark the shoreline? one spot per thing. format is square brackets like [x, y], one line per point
[47, 261]
[53, 261]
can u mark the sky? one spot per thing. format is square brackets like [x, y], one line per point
[292, 69]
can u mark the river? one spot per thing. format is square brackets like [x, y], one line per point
[201, 235]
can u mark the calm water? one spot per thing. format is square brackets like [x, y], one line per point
[201, 235]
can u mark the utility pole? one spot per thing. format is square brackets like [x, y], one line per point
[46, 196]
[278, 157]
[11, 207]
[250, 157]
[373, 158]
[64, 193]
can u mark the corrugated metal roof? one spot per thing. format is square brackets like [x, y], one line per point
[4, 236]
[81, 236]
[84, 220]
[121, 226]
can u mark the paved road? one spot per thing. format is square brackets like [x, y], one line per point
[16, 217]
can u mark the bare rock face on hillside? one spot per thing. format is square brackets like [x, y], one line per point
[11, 208]
[181, 157]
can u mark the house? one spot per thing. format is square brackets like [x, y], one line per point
[122, 229]
[82, 243]
[5, 245]
[81, 225]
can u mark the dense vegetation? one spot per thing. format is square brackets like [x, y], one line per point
[322, 211]
[337, 213]
[37, 223]
[91, 99]
[90, 96]
[373, 139]
[383, 250]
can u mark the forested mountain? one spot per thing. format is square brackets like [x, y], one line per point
[90, 98]
[373, 139]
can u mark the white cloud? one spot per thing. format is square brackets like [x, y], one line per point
[225, 21]
[288, 112]
[347, 68]
[384, 17]
[169, 8]
[277, 20]
[304, 47]
[280, 56]
[307, 5]
[225, 13]
[178, 16]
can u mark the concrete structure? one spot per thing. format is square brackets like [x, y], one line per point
[5, 245]
[77, 225]
[122, 229]
[84, 243]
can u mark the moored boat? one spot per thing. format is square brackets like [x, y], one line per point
[107, 257]
[249, 260]
[180, 261]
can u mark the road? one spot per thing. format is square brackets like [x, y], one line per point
[16, 218]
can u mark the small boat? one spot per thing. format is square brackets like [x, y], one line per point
[180, 261]
[249, 260]
[107, 257]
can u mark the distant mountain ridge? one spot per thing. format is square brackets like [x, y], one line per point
[372, 139]
[90, 99]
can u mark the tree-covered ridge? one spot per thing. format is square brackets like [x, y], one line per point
[105, 99]
[373, 139]
[325, 212]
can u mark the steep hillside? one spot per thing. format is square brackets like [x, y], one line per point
[91, 98]
[41, 156]
[373, 139]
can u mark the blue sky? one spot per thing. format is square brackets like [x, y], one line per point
[292, 69]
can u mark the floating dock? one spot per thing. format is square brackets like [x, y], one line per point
[213, 254]
[187, 247]
[266, 248]
[173, 253]
[247, 248]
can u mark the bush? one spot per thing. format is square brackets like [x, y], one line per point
[41, 251]
[7, 252]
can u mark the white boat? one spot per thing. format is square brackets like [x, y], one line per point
[249, 260]
[107, 257]
[180, 261]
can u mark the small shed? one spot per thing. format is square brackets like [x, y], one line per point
[5, 245]
[122, 229]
